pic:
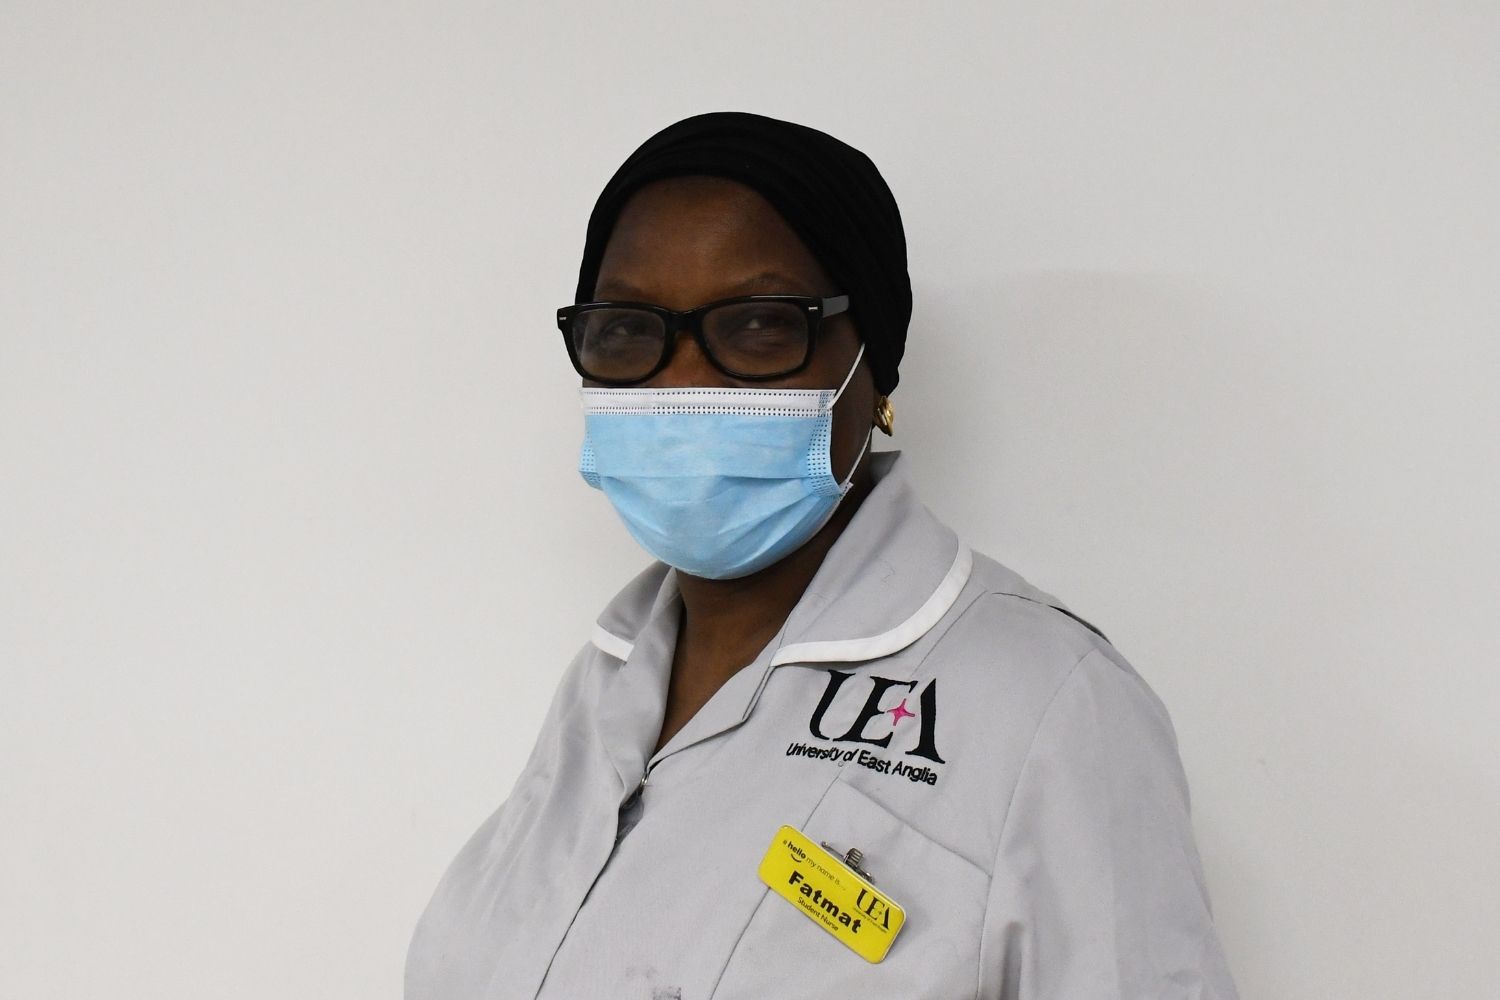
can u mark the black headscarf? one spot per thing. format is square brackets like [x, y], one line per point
[829, 193]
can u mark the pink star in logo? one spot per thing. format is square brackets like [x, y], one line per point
[899, 712]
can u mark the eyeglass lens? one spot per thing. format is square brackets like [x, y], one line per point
[746, 338]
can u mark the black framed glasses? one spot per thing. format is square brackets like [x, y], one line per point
[752, 337]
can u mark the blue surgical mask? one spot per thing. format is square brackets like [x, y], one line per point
[718, 483]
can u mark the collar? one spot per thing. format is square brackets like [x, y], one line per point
[891, 576]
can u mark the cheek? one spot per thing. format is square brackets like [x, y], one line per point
[852, 421]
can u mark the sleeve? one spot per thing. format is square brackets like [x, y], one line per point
[1098, 892]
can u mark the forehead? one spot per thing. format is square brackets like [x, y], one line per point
[687, 240]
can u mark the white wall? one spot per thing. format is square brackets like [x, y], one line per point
[292, 548]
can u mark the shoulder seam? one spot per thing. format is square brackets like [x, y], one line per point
[1054, 607]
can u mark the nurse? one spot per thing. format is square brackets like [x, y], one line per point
[818, 748]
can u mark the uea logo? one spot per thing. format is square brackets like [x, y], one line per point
[859, 730]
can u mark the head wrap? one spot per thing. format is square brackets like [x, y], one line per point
[828, 192]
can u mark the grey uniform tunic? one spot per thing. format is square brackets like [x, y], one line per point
[1008, 777]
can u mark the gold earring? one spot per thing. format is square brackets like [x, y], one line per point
[885, 415]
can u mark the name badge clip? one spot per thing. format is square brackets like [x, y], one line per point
[853, 858]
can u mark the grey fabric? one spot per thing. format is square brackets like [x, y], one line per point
[1028, 807]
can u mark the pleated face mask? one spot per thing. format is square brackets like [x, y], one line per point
[718, 483]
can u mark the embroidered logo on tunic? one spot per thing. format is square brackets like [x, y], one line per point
[856, 714]
[899, 712]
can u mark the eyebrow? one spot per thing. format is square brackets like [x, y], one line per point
[764, 283]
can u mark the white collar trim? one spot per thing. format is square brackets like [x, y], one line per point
[892, 640]
[612, 644]
[847, 650]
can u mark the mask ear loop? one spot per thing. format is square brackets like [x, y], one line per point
[849, 479]
[852, 369]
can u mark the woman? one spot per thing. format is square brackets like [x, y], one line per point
[819, 749]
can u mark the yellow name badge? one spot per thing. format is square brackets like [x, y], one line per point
[831, 894]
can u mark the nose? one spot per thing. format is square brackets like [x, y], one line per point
[688, 367]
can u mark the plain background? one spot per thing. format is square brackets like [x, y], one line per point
[292, 544]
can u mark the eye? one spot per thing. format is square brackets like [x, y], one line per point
[758, 337]
[757, 320]
[766, 320]
[614, 326]
[618, 327]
